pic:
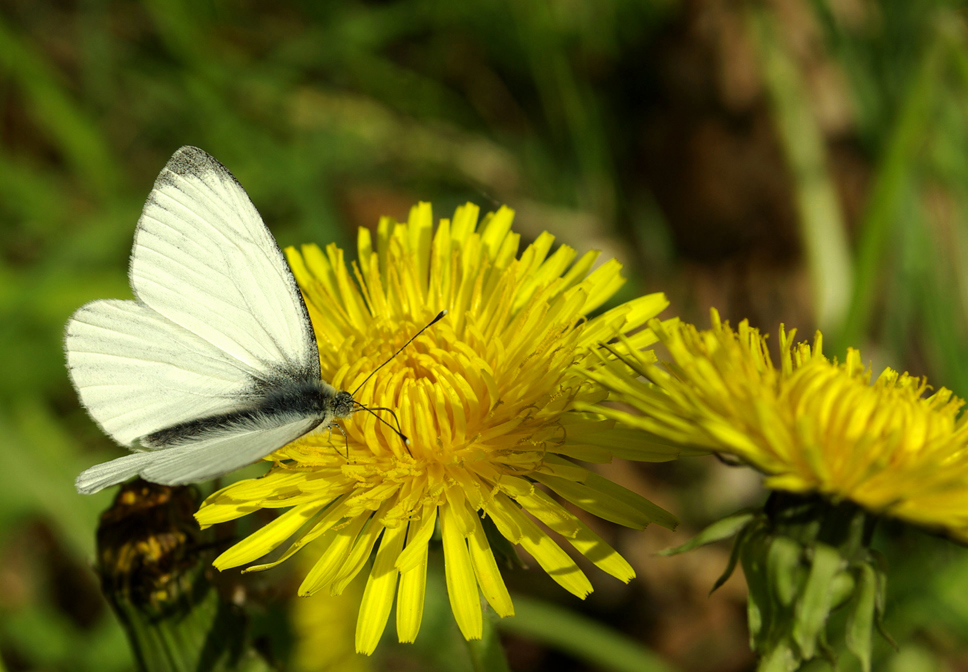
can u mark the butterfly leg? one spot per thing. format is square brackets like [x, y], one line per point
[345, 439]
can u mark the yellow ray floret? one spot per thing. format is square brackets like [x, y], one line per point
[812, 425]
[487, 397]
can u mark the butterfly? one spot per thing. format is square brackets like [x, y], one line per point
[214, 364]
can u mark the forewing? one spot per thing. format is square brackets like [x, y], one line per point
[198, 461]
[204, 259]
[219, 317]
[137, 372]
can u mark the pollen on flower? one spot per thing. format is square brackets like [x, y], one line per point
[811, 424]
[487, 397]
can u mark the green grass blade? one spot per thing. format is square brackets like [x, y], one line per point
[893, 171]
[72, 131]
[822, 228]
[581, 637]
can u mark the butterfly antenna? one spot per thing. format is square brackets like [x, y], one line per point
[398, 430]
[434, 321]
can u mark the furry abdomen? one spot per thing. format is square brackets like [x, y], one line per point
[280, 403]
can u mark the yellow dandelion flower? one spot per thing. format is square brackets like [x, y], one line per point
[487, 397]
[812, 425]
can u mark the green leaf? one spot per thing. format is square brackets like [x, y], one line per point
[721, 529]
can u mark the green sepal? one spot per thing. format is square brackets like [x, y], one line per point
[781, 658]
[826, 650]
[814, 605]
[802, 558]
[721, 529]
[783, 564]
[841, 589]
[880, 569]
[860, 617]
[760, 611]
[733, 557]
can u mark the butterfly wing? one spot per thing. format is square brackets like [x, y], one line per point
[204, 259]
[218, 316]
[137, 372]
[196, 461]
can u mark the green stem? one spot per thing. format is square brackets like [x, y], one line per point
[487, 654]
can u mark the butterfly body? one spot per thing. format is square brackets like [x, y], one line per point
[283, 401]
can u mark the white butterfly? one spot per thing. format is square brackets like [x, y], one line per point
[215, 364]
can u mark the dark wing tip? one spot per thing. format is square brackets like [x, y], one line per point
[193, 161]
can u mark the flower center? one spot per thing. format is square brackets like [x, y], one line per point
[447, 398]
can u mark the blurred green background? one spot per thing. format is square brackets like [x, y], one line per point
[787, 161]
